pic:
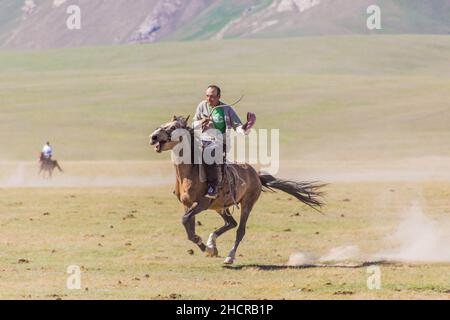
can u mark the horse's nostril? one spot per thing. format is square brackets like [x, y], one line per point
[154, 138]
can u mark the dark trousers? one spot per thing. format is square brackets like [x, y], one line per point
[212, 174]
[212, 170]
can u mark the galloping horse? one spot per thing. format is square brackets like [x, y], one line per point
[47, 165]
[190, 191]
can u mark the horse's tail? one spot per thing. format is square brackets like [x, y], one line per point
[307, 192]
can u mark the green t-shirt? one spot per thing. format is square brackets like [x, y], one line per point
[218, 118]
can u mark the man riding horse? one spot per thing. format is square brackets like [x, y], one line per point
[47, 151]
[190, 189]
[214, 114]
[46, 162]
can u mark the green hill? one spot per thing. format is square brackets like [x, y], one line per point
[43, 24]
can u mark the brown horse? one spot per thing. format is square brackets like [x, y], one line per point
[190, 191]
[47, 166]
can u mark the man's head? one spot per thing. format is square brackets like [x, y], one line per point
[213, 95]
[47, 143]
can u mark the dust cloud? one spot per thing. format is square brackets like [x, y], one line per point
[417, 238]
[87, 174]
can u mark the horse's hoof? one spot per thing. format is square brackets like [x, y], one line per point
[228, 260]
[212, 252]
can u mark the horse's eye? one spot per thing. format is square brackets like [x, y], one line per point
[172, 128]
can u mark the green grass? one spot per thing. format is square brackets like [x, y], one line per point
[144, 256]
[356, 96]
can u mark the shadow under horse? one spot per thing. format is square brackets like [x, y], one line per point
[190, 190]
[48, 166]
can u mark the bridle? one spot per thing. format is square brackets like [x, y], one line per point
[169, 132]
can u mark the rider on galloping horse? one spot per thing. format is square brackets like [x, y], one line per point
[47, 152]
[214, 114]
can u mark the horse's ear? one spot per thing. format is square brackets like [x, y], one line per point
[187, 118]
[174, 118]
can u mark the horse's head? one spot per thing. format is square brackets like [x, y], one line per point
[161, 137]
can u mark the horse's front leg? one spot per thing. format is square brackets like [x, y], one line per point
[189, 222]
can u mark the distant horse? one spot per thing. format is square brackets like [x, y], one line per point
[190, 191]
[47, 166]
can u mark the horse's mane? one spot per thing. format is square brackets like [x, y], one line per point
[191, 132]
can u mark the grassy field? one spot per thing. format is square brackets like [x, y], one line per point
[336, 98]
[129, 243]
[368, 114]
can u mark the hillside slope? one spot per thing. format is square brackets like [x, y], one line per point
[42, 23]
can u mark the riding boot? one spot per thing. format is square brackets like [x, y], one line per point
[212, 178]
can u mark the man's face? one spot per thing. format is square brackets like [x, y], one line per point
[212, 97]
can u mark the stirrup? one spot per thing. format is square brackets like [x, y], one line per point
[211, 196]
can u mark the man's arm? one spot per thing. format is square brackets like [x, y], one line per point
[234, 119]
[198, 112]
[237, 123]
[197, 120]
[201, 119]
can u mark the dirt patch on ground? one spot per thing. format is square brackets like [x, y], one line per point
[156, 173]
[88, 174]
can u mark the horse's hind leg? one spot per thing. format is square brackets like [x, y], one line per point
[247, 205]
[230, 223]
[57, 165]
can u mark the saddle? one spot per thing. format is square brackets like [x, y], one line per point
[44, 160]
[228, 179]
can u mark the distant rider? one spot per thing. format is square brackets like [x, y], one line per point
[47, 151]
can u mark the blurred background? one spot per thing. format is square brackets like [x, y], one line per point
[347, 100]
